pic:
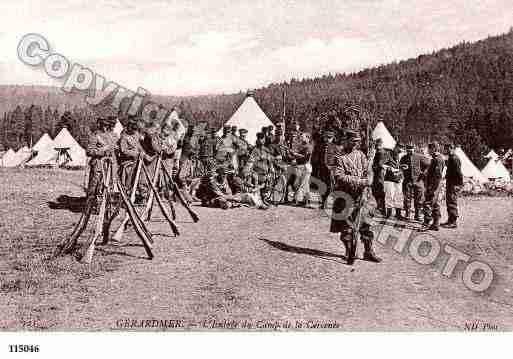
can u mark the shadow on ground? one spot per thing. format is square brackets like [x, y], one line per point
[72, 204]
[301, 250]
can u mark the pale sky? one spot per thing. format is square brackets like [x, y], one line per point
[218, 46]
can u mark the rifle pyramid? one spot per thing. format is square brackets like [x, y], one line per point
[112, 196]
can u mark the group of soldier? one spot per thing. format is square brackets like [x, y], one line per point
[233, 171]
[226, 171]
[419, 178]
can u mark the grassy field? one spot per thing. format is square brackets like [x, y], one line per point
[263, 268]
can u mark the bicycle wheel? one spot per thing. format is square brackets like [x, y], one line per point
[279, 189]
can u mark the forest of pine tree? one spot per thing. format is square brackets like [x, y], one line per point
[463, 94]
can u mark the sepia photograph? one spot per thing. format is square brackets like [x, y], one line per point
[178, 166]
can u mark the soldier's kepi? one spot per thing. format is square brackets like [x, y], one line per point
[350, 175]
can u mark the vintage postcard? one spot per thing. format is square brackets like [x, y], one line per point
[256, 166]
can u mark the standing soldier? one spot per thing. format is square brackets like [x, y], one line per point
[102, 144]
[350, 174]
[207, 150]
[413, 166]
[324, 162]
[169, 148]
[453, 182]
[224, 148]
[378, 185]
[243, 150]
[261, 162]
[294, 136]
[129, 151]
[434, 176]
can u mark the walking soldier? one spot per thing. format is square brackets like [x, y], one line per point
[350, 175]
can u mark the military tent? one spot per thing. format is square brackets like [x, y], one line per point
[495, 170]
[22, 156]
[64, 150]
[44, 141]
[380, 131]
[468, 169]
[66, 145]
[250, 116]
[9, 158]
[45, 154]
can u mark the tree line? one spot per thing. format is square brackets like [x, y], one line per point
[462, 94]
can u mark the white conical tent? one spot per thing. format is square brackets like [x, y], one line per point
[468, 169]
[44, 141]
[492, 155]
[380, 131]
[494, 169]
[9, 158]
[76, 152]
[46, 155]
[250, 116]
[22, 155]
[118, 128]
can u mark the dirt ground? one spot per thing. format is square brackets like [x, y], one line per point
[241, 268]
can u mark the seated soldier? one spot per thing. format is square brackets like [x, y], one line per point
[185, 179]
[214, 190]
[250, 192]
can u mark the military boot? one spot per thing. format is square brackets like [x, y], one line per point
[436, 225]
[349, 252]
[369, 254]
[417, 215]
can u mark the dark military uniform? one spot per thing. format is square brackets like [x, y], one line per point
[434, 178]
[378, 185]
[454, 182]
[413, 183]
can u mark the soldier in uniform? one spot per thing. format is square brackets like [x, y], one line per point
[350, 174]
[244, 149]
[323, 158]
[261, 162]
[413, 166]
[129, 151]
[378, 169]
[224, 148]
[454, 183]
[102, 144]
[294, 136]
[214, 190]
[169, 147]
[434, 176]
[207, 150]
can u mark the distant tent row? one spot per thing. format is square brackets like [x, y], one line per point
[64, 150]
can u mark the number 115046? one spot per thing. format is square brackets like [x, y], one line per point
[23, 348]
